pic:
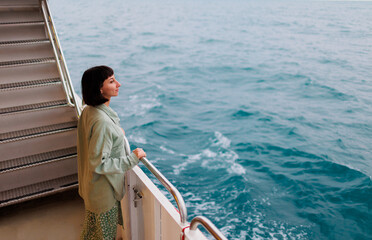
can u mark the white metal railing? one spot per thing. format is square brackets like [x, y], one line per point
[169, 186]
[165, 182]
[205, 222]
[208, 225]
[60, 59]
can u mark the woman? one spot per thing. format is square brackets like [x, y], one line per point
[102, 160]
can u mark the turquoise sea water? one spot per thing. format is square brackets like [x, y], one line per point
[259, 112]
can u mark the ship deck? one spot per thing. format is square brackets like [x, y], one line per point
[58, 216]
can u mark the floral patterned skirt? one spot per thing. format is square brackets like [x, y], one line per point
[103, 225]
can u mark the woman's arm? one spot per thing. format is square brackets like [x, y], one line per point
[100, 147]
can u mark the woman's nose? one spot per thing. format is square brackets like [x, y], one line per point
[118, 84]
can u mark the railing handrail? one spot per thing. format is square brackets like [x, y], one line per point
[164, 181]
[208, 225]
[63, 72]
[169, 186]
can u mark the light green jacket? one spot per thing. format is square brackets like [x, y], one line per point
[102, 160]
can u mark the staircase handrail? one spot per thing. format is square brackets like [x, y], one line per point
[58, 54]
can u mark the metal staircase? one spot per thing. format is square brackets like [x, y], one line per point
[38, 117]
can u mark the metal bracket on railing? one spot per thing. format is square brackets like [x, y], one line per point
[169, 186]
[208, 225]
[137, 196]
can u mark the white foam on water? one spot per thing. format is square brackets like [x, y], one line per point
[141, 104]
[221, 140]
[218, 156]
[137, 139]
[276, 231]
[231, 228]
[225, 158]
[230, 156]
[164, 149]
[243, 235]
[208, 153]
[209, 207]
[180, 167]
[191, 197]
[195, 157]
[260, 226]
[237, 169]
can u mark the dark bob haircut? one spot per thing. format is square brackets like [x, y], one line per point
[92, 82]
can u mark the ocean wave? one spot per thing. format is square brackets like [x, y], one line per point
[167, 69]
[218, 156]
[243, 208]
[242, 114]
[169, 151]
[137, 139]
[155, 47]
[318, 189]
[329, 92]
[291, 152]
[221, 140]
[211, 41]
[147, 33]
[142, 104]
[249, 69]
[298, 159]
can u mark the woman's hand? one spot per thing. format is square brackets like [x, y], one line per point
[139, 153]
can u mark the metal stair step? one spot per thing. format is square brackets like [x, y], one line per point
[32, 106]
[22, 31]
[24, 73]
[9, 7]
[37, 50]
[24, 42]
[21, 23]
[19, 3]
[33, 174]
[38, 130]
[29, 83]
[37, 158]
[15, 121]
[26, 62]
[31, 95]
[33, 84]
[8, 15]
[37, 144]
[33, 191]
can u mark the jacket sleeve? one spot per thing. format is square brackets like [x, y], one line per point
[100, 146]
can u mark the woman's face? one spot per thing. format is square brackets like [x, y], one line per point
[110, 87]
